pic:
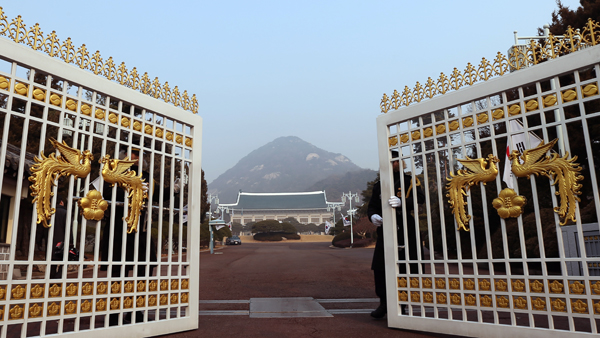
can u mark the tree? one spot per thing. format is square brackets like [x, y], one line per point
[564, 17]
[271, 225]
[204, 205]
[287, 228]
[237, 227]
[267, 226]
[366, 197]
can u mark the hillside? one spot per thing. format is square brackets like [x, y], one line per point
[287, 164]
[336, 185]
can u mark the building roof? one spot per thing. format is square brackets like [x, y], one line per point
[279, 201]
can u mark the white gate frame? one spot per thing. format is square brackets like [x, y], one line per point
[181, 286]
[425, 316]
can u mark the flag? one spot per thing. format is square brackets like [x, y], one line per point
[518, 143]
[219, 226]
[327, 227]
[229, 225]
[346, 222]
[96, 183]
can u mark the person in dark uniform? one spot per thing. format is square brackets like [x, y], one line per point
[374, 212]
[130, 238]
[58, 239]
[117, 242]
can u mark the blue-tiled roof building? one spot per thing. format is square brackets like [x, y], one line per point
[306, 207]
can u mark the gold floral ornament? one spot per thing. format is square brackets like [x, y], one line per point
[140, 301]
[93, 206]
[100, 305]
[485, 300]
[86, 306]
[70, 307]
[35, 310]
[476, 171]
[563, 171]
[402, 296]
[48, 169]
[508, 204]
[17, 292]
[556, 287]
[539, 304]
[501, 285]
[54, 309]
[115, 304]
[502, 301]
[37, 291]
[117, 172]
[579, 306]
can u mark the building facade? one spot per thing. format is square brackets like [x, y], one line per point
[305, 207]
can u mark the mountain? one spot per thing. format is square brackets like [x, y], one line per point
[287, 164]
[336, 185]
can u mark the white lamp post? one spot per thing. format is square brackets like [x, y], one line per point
[351, 211]
[334, 206]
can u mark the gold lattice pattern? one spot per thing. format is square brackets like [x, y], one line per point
[445, 291]
[518, 58]
[17, 31]
[117, 297]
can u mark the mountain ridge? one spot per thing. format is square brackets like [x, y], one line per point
[286, 164]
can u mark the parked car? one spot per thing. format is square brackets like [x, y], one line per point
[233, 240]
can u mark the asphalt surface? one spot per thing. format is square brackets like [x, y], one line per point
[234, 275]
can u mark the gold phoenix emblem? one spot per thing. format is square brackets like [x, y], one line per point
[93, 206]
[476, 171]
[509, 204]
[117, 172]
[48, 169]
[564, 172]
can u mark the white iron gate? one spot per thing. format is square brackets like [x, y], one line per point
[494, 261]
[99, 226]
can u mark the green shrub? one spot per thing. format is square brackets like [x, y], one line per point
[340, 236]
[343, 241]
[268, 237]
[291, 236]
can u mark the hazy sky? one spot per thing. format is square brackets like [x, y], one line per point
[312, 69]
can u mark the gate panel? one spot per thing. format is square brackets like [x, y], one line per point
[528, 264]
[129, 262]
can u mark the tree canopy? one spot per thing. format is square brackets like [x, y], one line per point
[563, 17]
[270, 225]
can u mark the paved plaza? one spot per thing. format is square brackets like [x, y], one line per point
[289, 289]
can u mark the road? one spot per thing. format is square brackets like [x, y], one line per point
[292, 281]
